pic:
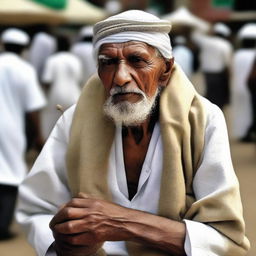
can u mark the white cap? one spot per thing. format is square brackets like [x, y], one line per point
[222, 29]
[15, 36]
[247, 31]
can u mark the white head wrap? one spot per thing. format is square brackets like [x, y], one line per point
[134, 25]
[15, 36]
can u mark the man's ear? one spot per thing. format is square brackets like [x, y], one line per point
[164, 78]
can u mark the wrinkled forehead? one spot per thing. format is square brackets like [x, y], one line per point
[130, 46]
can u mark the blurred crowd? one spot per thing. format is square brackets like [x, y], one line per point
[41, 75]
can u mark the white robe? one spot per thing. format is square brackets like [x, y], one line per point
[45, 188]
[19, 93]
[184, 57]
[84, 51]
[215, 52]
[63, 71]
[42, 47]
[240, 96]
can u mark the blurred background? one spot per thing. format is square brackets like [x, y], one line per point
[214, 41]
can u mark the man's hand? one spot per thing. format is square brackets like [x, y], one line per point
[83, 224]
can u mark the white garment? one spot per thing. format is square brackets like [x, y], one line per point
[184, 57]
[42, 47]
[84, 51]
[215, 52]
[19, 93]
[45, 188]
[240, 95]
[63, 71]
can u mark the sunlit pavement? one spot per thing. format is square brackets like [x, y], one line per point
[244, 159]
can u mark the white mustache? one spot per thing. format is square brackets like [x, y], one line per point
[123, 90]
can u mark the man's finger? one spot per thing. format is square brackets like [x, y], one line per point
[67, 214]
[80, 239]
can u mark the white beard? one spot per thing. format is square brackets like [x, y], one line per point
[126, 113]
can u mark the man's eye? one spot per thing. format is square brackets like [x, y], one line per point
[135, 59]
[107, 62]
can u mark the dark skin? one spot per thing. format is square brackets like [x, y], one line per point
[83, 224]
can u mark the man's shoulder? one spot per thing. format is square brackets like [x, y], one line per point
[65, 121]
[16, 62]
[69, 112]
[212, 110]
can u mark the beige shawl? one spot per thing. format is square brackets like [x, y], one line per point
[182, 122]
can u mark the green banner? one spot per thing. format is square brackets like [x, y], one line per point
[54, 4]
[223, 3]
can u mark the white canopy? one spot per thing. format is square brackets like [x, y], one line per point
[19, 12]
[79, 11]
[22, 12]
[183, 17]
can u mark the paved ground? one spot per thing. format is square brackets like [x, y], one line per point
[244, 159]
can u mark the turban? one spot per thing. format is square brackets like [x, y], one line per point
[134, 25]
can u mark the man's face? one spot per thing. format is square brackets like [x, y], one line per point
[130, 65]
[131, 73]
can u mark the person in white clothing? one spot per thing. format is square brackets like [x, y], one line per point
[61, 78]
[241, 106]
[20, 95]
[43, 45]
[183, 55]
[83, 49]
[215, 60]
[222, 30]
[251, 133]
[140, 165]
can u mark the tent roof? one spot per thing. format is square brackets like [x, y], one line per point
[183, 16]
[23, 12]
[26, 12]
[79, 11]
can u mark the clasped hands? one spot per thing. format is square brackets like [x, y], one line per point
[82, 225]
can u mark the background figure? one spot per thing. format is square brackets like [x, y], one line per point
[240, 98]
[20, 94]
[222, 30]
[183, 55]
[251, 133]
[215, 59]
[84, 51]
[61, 79]
[43, 45]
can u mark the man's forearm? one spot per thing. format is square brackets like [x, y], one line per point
[159, 232]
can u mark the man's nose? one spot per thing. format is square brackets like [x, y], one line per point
[122, 75]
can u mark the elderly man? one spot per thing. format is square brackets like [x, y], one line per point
[141, 165]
